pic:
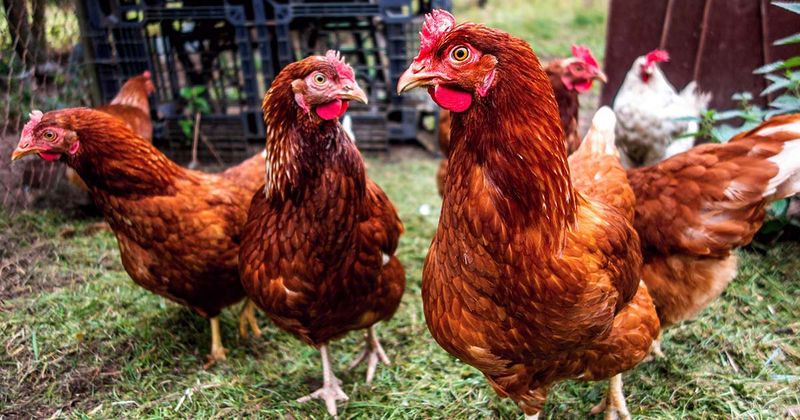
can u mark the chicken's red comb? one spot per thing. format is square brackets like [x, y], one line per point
[344, 69]
[146, 74]
[437, 24]
[657, 56]
[36, 118]
[583, 52]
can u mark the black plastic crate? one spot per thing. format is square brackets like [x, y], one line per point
[234, 48]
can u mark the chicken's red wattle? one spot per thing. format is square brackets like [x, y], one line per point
[450, 99]
[333, 109]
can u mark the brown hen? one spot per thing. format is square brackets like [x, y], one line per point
[130, 105]
[569, 77]
[695, 208]
[318, 247]
[178, 230]
[533, 274]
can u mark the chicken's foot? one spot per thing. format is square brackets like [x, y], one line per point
[331, 390]
[247, 318]
[373, 351]
[217, 350]
[614, 404]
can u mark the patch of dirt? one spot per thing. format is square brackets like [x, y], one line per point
[57, 382]
[27, 259]
[20, 267]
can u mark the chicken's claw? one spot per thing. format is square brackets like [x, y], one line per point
[614, 404]
[331, 390]
[330, 393]
[373, 351]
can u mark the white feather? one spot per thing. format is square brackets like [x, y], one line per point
[347, 123]
[787, 182]
[650, 115]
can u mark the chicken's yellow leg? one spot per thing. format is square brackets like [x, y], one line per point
[247, 318]
[217, 350]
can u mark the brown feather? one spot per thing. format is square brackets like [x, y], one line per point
[313, 246]
[695, 208]
[532, 276]
[178, 230]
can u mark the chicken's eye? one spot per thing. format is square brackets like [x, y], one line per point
[49, 135]
[320, 79]
[459, 53]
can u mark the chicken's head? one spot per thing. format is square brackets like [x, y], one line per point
[324, 85]
[458, 64]
[46, 137]
[149, 87]
[647, 64]
[581, 70]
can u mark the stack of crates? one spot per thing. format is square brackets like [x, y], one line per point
[234, 49]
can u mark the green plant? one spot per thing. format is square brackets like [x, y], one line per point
[195, 103]
[784, 79]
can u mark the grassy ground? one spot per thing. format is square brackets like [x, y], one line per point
[78, 338]
[550, 26]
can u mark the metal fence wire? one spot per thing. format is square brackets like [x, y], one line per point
[41, 67]
[66, 53]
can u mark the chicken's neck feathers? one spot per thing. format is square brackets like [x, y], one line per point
[132, 94]
[299, 149]
[113, 160]
[516, 140]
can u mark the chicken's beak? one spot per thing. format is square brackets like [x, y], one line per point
[599, 75]
[23, 150]
[413, 78]
[353, 93]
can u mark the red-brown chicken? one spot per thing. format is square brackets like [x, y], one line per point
[533, 274]
[695, 208]
[178, 230]
[318, 248]
[130, 105]
[569, 77]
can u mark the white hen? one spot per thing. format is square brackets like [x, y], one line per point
[649, 111]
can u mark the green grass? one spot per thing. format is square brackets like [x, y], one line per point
[79, 338]
[550, 26]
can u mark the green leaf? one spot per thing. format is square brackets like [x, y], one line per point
[186, 92]
[768, 68]
[776, 86]
[187, 127]
[198, 90]
[779, 208]
[725, 132]
[792, 7]
[778, 65]
[729, 114]
[786, 102]
[791, 39]
[772, 226]
[35, 345]
[791, 63]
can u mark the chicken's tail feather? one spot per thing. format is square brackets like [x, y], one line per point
[601, 139]
[250, 173]
[698, 100]
[787, 182]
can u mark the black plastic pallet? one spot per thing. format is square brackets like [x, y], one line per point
[236, 47]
